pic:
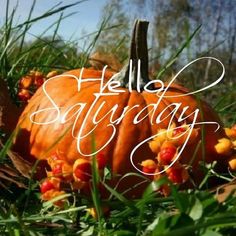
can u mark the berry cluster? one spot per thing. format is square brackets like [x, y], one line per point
[29, 83]
[78, 176]
[227, 146]
[165, 145]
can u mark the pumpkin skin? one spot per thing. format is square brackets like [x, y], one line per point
[38, 141]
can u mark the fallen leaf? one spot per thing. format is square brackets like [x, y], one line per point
[23, 166]
[223, 191]
[12, 180]
[98, 60]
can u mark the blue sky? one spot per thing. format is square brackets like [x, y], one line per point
[86, 18]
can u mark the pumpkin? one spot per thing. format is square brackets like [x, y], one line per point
[37, 141]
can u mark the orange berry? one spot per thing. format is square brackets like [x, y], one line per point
[49, 195]
[154, 146]
[167, 144]
[162, 136]
[51, 74]
[38, 78]
[38, 74]
[54, 159]
[167, 153]
[24, 95]
[178, 131]
[234, 144]
[177, 174]
[25, 82]
[82, 170]
[39, 81]
[180, 135]
[57, 169]
[224, 146]
[231, 133]
[46, 186]
[149, 166]
[61, 169]
[232, 162]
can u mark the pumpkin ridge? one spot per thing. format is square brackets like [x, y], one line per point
[118, 129]
[72, 144]
[139, 132]
[149, 123]
[146, 103]
[76, 96]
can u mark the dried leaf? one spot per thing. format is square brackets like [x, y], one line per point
[11, 180]
[98, 60]
[9, 170]
[223, 191]
[23, 166]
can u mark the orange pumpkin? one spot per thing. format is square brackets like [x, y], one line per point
[40, 141]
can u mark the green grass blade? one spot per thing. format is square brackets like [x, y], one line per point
[49, 13]
[171, 61]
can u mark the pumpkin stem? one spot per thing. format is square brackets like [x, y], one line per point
[138, 52]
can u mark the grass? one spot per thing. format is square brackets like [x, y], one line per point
[184, 212]
[190, 212]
